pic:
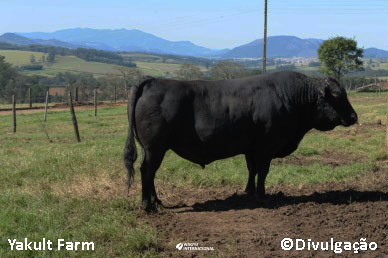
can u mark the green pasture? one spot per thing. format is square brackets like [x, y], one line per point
[17, 57]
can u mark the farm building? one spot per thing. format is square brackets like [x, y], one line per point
[374, 86]
[57, 91]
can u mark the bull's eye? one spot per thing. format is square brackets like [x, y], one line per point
[336, 95]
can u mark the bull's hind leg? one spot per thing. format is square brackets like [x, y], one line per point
[250, 188]
[150, 164]
[262, 169]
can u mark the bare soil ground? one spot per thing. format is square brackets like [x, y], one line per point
[239, 226]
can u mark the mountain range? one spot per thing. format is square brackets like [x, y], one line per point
[277, 46]
[139, 41]
[124, 40]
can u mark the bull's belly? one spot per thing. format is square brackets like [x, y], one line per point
[205, 153]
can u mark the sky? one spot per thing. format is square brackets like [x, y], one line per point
[209, 23]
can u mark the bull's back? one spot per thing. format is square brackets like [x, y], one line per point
[201, 121]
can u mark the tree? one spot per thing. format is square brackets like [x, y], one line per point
[130, 76]
[51, 57]
[32, 59]
[227, 70]
[189, 72]
[339, 56]
[8, 76]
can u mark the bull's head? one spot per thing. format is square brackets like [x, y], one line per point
[333, 107]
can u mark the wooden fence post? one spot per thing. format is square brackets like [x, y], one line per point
[74, 118]
[46, 106]
[13, 114]
[114, 94]
[29, 97]
[76, 95]
[95, 102]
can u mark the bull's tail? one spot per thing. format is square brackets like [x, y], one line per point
[130, 152]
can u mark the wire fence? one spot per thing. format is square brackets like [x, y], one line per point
[32, 100]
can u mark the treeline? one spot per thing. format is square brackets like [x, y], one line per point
[369, 72]
[82, 53]
[93, 55]
[13, 83]
[171, 59]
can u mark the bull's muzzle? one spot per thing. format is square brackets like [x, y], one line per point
[352, 119]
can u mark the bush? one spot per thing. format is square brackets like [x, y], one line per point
[31, 67]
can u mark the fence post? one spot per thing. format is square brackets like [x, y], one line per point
[29, 97]
[13, 114]
[46, 106]
[74, 118]
[76, 95]
[95, 102]
[114, 94]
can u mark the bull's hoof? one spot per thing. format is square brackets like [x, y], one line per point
[149, 207]
[244, 193]
[152, 207]
[159, 202]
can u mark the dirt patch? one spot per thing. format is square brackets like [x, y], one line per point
[332, 159]
[359, 130]
[239, 226]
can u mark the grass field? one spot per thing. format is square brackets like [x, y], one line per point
[76, 65]
[17, 57]
[160, 69]
[76, 191]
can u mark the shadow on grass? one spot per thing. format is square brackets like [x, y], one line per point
[274, 201]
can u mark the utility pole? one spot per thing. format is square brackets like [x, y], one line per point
[265, 39]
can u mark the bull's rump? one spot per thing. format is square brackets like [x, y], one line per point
[200, 121]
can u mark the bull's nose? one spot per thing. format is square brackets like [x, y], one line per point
[354, 118]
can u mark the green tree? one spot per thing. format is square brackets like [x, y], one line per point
[51, 57]
[8, 76]
[32, 59]
[189, 72]
[339, 56]
[130, 76]
[227, 70]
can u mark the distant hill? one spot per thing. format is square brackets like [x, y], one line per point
[375, 53]
[124, 40]
[15, 39]
[288, 46]
[277, 46]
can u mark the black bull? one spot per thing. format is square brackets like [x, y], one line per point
[263, 117]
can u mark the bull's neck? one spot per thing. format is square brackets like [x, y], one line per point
[300, 97]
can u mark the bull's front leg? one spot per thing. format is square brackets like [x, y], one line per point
[250, 188]
[262, 169]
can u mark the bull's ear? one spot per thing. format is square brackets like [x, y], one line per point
[333, 87]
